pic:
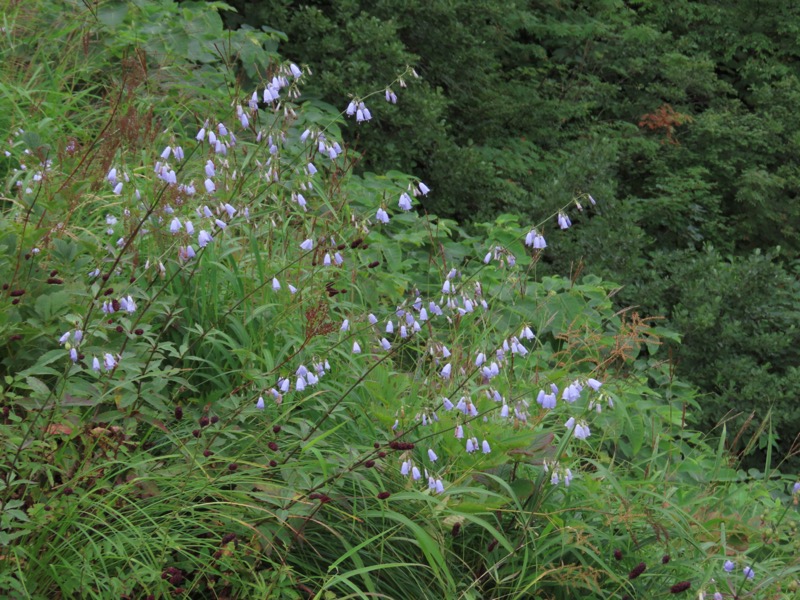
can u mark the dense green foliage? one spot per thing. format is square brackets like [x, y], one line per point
[679, 115]
[237, 367]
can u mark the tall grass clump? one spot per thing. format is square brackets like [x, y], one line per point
[234, 369]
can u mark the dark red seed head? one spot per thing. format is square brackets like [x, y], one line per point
[376, 445]
[5, 286]
[119, 328]
[196, 433]
[637, 570]
[15, 301]
[15, 337]
[55, 281]
[456, 529]
[108, 292]
[105, 277]
[383, 495]
[203, 421]
[369, 464]
[373, 264]
[618, 554]
[356, 242]
[28, 256]
[273, 446]
[214, 419]
[276, 429]
[679, 587]
[68, 491]
[17, 293]
[232, 467]
[492, 545]
[178, 413]
[228, 538]
[381, 454]
[273, 463]
[132, 279]
[138, 331]
[207, 453]
[665, 559]
[53, 273]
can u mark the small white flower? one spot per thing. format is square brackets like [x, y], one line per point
[356, 348]
[307, 245]
[276, 285]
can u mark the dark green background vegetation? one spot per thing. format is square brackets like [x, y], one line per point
[679, 117]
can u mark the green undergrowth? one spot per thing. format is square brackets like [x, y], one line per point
[301, 395]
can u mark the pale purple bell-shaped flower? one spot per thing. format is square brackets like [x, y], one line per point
[405, 202]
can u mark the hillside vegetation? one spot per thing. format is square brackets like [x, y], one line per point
[246, 357]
